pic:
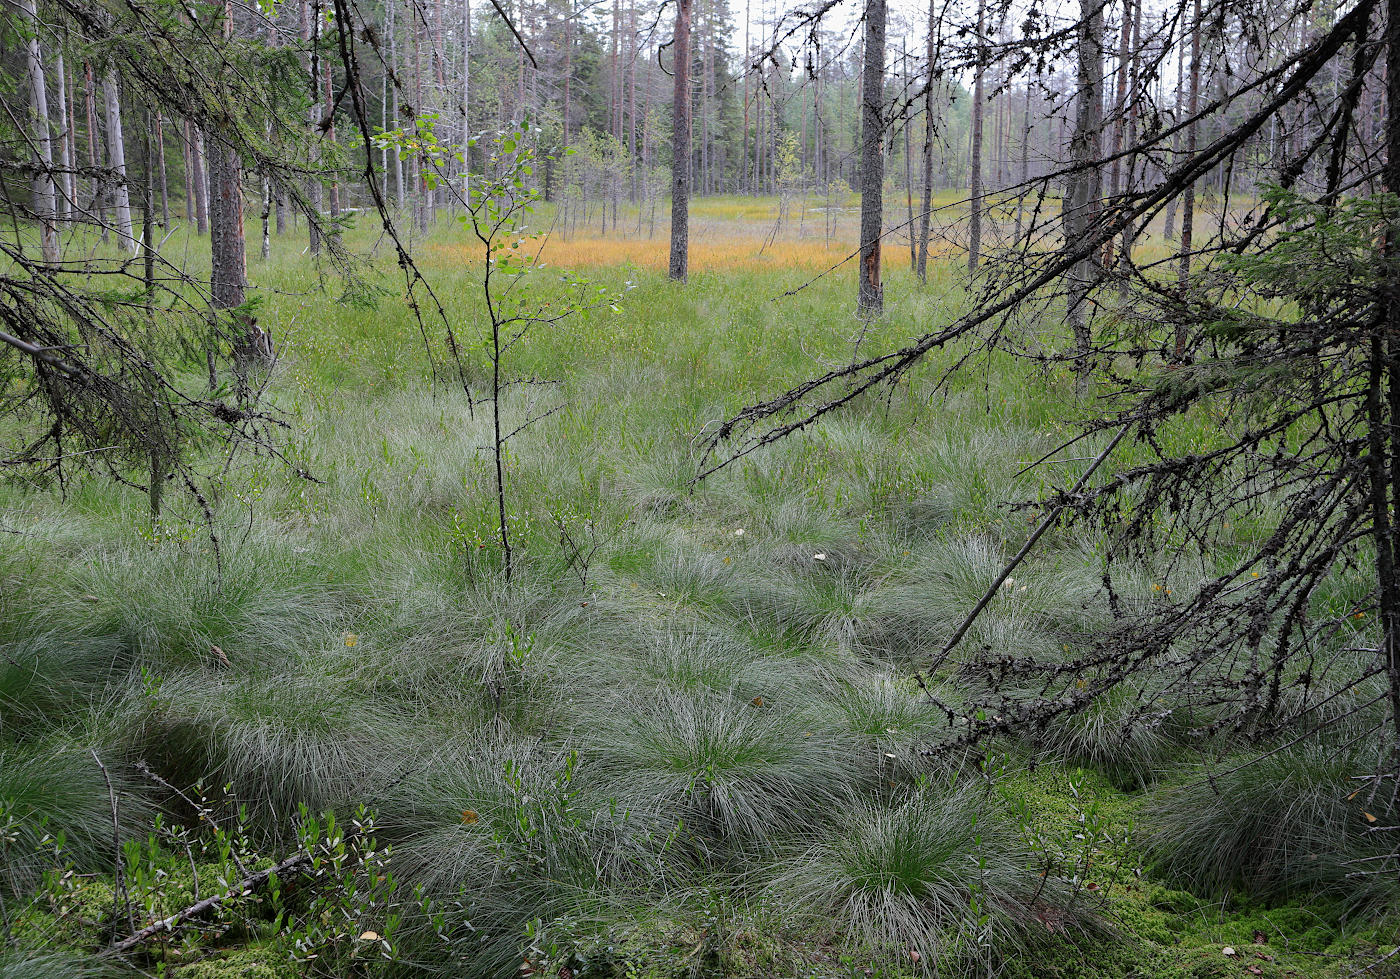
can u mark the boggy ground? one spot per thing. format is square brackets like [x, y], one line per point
[685, 738]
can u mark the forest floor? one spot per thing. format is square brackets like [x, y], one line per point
[685, 738]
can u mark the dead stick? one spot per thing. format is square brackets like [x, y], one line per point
[1026, 549]
[242, 888]
[120, 894]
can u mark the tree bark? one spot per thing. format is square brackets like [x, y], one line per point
[99, 190]
[228, 274]
[65, 182]
[228, 277]
[908, 163]
[161, 170]
[680, 146]
[1025, 173]
[42, 186]
[926, 214]
[1083, 194]
[201, 183]
[116, 160]
[870, 294]
[310, 63]
[974, 228]
[1188, 199]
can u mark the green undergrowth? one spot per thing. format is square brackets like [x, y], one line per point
[687, 737]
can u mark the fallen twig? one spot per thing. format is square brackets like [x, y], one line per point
[240, 889]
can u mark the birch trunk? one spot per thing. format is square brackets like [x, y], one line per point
[116, 160]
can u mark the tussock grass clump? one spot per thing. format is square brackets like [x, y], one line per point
[280, 740]
[934, 873]
[48, 791]
[161, 605]
[890, 719]
[690, 660]
[1296, 821]
[21, 964]
[1125, 734]
[735, 771]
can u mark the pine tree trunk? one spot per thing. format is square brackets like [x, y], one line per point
[870, 296]
[927, 212]
[164, 176]
[974, 227]
[334, 192]
[228, 273]
[1125, 248]
[466, 98]
[680, 146]
[1120, 111]
[228, 277]
[188, 178]
[1188, 198]
[1025, 173]
[908, 165]
[99, 191]
[310, 64]
[1169, 221]
[1085, 185]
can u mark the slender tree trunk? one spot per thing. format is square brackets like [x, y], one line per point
[908, 164]
[189, 179]
[334, 192]
[974, 228]
[467, 98]
[744, 177]
[1120, 107]
[870, 296]
[420, 177]
[1188, 198]
[228, 277]
[116, 160]
[164, 176]
[95, 159]
[310, 63]
[1025, 173]
[201, 183]
[1085, 186]
[635, 191]
[42, 186]
[680, 152]
[148, 207]
[927, 211]
[1125, 249]
[65, 181]
[1169, 221]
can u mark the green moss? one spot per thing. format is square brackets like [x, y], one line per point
[252, 962]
